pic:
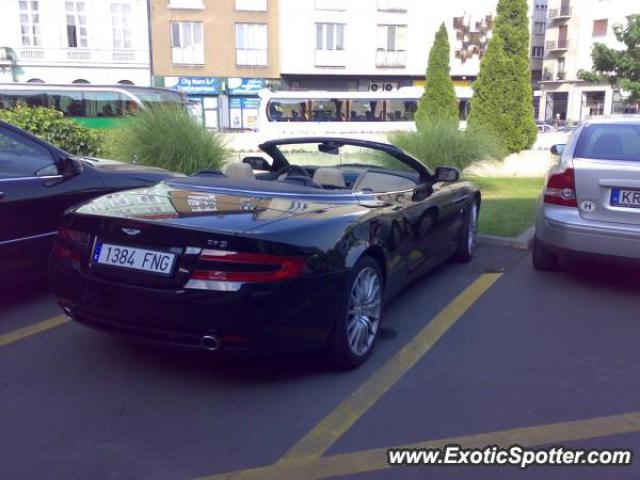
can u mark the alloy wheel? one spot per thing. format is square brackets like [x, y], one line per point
[365, 307]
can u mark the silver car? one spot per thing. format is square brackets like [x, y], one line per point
[591, 200]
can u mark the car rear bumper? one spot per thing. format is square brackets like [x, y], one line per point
[291, 317]
[563, 229]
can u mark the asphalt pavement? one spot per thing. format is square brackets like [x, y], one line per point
[487, 352]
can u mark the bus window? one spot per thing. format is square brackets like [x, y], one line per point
[103, 104]
[31, 98]
[401, 110]
[328, 110]
[68, 102]
[287, 110]
[152, 97]
[365, 110]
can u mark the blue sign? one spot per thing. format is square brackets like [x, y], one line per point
[195, 85]
[245, 86]
[235, 103]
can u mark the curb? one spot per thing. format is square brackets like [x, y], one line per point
[523, 242]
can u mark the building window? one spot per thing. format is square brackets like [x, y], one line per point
[187, 46]
[76, 24]
[392, 37]
[30, 23]
[186, 4]
[541, 5]
[537, 52]
[600, 28]
[539, 28]
[251, 44]
[252, 5]
[120, 25]
[329, 36]
[331, 5]
[392, 5]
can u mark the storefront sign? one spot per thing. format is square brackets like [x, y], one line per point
[245, 86]
[195, 85]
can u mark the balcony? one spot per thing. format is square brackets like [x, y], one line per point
[391, 58]
[251, 57]
[557, 46]
[82, 55]
[396, 6]
[331, 58]
[562, 13]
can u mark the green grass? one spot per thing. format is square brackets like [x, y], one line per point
[508, 204]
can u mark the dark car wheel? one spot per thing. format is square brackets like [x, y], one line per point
[543, 259]
[468, 235]
[356, 328]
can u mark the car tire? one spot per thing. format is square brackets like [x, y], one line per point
[354, 335]
[468, 236]
[543, 259]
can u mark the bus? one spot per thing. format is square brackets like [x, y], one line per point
[309, 113]
[94, 106]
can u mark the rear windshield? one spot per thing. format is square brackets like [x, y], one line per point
[609, 142]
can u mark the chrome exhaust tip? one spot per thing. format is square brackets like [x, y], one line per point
[210, 343]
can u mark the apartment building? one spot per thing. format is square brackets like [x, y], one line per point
[362, 45]
[573, 28]
[220, 52]
[74, 41]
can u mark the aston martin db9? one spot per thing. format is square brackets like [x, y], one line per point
[296, 248]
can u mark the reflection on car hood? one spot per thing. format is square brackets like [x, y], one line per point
[107, 165]
[226, 211]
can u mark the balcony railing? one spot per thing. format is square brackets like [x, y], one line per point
[557, 45]
[331, 58]
[560, 13]
[251, 57]
[82, 55]
[399, 6]
[391, 58]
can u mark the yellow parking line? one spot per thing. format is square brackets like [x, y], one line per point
[33, 330]
[334, 425]
[376, 459]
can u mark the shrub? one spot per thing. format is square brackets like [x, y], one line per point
[443, 144]
[167, 137]
[439, 102]
[51, 125]
[502, 94]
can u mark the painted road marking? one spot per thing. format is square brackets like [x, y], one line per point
[34, 329]
[334, 425]
[376, 459]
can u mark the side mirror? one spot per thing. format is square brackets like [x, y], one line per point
[447, 174]
[558, 149]
[257, 163]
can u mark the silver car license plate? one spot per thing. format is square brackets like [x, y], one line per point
[133, 258]
[625, 198]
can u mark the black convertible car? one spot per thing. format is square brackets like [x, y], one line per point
[295, 249]
[38, 182]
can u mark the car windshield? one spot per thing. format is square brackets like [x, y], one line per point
[330, 154]
[610, 142]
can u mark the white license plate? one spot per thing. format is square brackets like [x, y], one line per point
[625, 198]
[134, 258]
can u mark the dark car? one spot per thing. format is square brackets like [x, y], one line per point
[293, 250]
[38, 182]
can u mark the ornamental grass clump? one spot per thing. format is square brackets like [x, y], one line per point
[169, 137]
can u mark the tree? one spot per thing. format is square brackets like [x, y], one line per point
[620, 67]
[502, 95]
[439, 102]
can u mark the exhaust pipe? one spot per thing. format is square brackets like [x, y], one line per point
[210, 342]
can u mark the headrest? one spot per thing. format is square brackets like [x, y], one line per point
[329, 177]
[239, 170]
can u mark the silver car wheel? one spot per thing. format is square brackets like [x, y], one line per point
[365, 306]
[472, 234]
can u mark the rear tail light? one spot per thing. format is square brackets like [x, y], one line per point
[561, 189]
[227, 271]
[70, 243]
